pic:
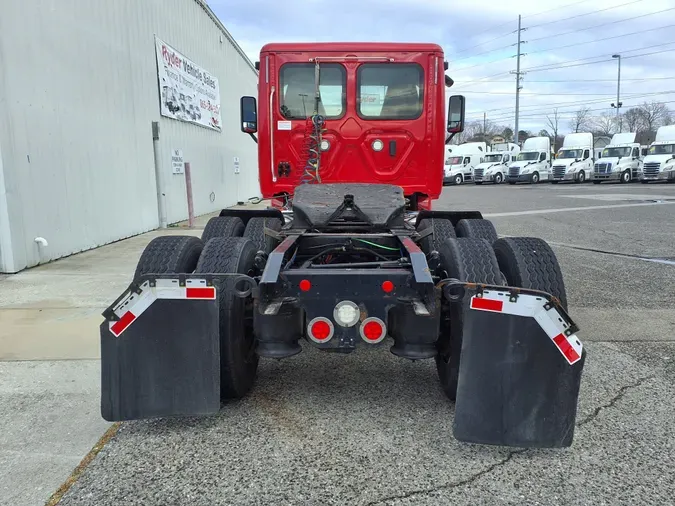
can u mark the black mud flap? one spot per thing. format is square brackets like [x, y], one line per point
[518, 380]
[160, 354]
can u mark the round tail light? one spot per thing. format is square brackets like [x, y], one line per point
[373, 330]
[320, 330]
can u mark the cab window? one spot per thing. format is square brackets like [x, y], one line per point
[298, 93]
[390, 91]
[467, 160]
[636, 152]
[587, 153]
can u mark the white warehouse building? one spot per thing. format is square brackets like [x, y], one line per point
[81, 85]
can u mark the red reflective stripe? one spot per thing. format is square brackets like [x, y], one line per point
[121, 324]
[563, 345]
[208, 292]
[487, 304]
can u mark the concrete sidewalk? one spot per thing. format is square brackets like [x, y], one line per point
[49, 369]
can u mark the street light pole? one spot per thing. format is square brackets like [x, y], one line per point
[618, 92]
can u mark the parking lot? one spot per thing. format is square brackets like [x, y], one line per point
[366, 428]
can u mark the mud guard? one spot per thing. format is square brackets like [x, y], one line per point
[160, 351]
[520, 372]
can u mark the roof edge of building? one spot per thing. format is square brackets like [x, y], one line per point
[228, 35]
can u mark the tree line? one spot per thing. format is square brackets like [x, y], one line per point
[643, 119]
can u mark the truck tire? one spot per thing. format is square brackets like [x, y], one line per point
[466, 259]
[442, 230]
[534, 178]
[238, 360]
[459, 179]
[223, 226]
[477, 229]
[625, 177]
[170, 254]
[255, 231]
[581, 178]
[498, 178]
[529, 262]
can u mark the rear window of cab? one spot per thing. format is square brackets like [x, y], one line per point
[390, 91]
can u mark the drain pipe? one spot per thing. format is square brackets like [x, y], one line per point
[159, 176]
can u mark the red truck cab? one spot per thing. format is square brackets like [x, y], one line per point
[382, 107]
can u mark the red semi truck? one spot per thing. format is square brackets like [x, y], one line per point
[351, 141]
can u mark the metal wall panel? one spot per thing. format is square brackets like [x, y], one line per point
[78, 94]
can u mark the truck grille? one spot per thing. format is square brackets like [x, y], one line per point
[651, 169]
[478, 173]
[514, 171]
[603, 168]
[559, 171]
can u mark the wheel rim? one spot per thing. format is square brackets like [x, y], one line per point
[626, 177]
[535, 178]
[498, 178]
[458, 179]
[582, 177]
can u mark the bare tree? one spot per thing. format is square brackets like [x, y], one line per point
[632, 119]
[653, 113]
[553, 121]
[605, 124]
[581, 120]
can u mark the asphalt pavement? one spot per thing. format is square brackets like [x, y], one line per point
[371, 429]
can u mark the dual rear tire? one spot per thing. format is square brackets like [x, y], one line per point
[477, 255]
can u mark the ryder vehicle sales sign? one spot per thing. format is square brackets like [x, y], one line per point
[187, 91]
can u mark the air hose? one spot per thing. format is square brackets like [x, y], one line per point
[314, 128]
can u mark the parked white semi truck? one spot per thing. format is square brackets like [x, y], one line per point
[574, 161]
[461, 160]
[533, 163]
[495, 164]
[659, 164]
[621, 160]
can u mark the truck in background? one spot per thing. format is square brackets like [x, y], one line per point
[533, 163]
[574, 161]
[495, 164]
[659, 164]
[461, 160]
[620, 160]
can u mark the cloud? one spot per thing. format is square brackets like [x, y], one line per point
[479, 39]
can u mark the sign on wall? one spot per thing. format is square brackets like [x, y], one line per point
[177, 162]
[187, 91]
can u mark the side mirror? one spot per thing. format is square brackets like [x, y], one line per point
[249, 115]
[456, 114]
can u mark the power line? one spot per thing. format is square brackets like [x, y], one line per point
[603, 24]
[600, 40]
[482, 44]
[485, 52]
[585, 80]
[556, 8]
[585, 14]
[546, 109]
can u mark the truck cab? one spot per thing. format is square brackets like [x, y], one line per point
[659, 164]
[533, 163]
[494, 166]
[574, 161]
[461, 161]
[351, 112]
[620, 160]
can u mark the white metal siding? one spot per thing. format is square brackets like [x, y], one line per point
[78, 94]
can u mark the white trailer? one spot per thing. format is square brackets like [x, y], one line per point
[574, 161]
[461, 160]
[659, 164]
[533, 163]
[620, 160]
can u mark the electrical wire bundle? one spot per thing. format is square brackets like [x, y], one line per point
[311, 162]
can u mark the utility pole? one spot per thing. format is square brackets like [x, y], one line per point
[618, 93]
[485, 126]
[519, 74]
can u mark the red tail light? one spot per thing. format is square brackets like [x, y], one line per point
[320, 330]
[373, 330]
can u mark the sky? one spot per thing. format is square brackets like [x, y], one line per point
[568, 49]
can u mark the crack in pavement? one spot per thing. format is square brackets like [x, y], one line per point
[448, 486]
[619, 395]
